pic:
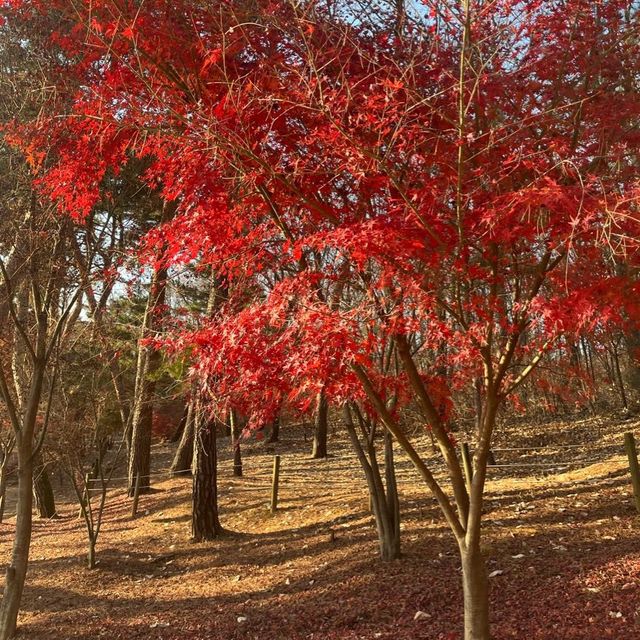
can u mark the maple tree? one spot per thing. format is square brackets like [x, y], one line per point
[400, 204]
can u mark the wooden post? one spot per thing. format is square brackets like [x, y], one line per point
[136, 496]
[466, 463]
[274, 483]
[630, 446]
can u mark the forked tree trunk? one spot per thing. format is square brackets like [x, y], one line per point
[466, 523]
[43, 491]
[321, 427]
[479, 413]
[183, 457]
[236, 432]
[384, 500]
[17, 570]
[476, 595]
[393, 502]
[474, 569]
[23, 406]
[205, 523]
[385, 503]
[91, 512]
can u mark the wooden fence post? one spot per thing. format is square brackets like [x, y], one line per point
[630, 446]
[274, 483]
[466, 463]
[136, 496]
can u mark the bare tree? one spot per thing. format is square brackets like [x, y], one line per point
[27, 390]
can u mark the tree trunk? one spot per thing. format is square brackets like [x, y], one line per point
[177, 434]
[17, 570]
[274, 435]
[477, 396]
[4, 467]
[384, 503]
[205, 524]
[183, 458]
[138, 430]
[479, 412]
[149, 360]
[236, 431]
[632, 341]
[618, 376]
[91, 553]
[321, 427]
[393, 502]
[24, 403]
[474, 570]
[43, 491]
[586, 347]
[140, 452]
[476, 595]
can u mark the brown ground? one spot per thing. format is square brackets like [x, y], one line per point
[565, 540]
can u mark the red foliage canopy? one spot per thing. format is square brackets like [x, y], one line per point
[463, 180]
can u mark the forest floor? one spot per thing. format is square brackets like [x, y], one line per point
[562, 545]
